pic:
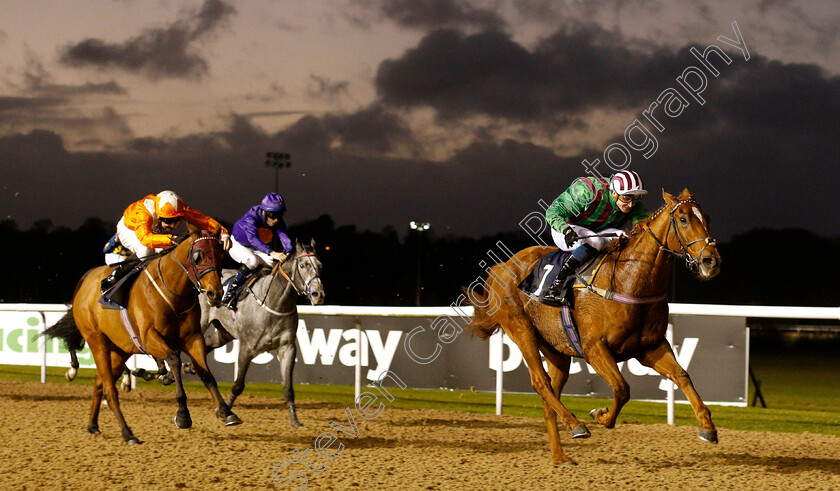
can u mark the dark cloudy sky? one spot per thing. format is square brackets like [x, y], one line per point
[460, 113]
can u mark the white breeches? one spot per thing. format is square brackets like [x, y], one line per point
[129, 239]
[247, 256]
[596, 242]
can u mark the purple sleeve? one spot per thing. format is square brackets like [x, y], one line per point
[284, 237]
[245, 232]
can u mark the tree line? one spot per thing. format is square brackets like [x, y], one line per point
[361, 267]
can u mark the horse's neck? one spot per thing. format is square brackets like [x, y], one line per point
[173, 274]
[643, 269]
[276, 290]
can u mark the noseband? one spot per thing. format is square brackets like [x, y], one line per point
[691, 262]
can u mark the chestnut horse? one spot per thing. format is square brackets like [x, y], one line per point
[637, 269]
[164, 314]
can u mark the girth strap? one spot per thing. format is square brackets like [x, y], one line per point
[130, 330]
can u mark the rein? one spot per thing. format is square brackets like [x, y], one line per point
[290, 282]
[691, 261]
[193, 275]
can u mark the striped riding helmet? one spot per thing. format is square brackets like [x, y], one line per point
[168, 205]
[627, 182]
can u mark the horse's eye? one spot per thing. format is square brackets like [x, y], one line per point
[198, 256]
[683, 220]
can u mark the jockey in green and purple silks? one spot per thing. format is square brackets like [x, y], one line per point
[591, 206]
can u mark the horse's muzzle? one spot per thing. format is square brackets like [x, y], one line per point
[213, 298]
[709, 264]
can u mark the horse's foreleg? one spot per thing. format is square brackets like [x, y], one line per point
[523, 335]
[558, 373]
[244, 362]
[107, 371]
[156, 346]
[286, 356]
[182, 417]
[195, 348]
[216, 337]
[558, 376]
[93, 423]
[602, 361]
[662, 360]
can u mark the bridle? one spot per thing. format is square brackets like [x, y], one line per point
[691, 262]
[291, 281]
[213, 253]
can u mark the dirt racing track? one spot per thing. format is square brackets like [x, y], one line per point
[44, 445]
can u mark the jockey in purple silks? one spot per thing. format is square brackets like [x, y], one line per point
[252, 236]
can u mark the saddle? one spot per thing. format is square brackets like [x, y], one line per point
[545, 271]
[117, 297]
[250, 279]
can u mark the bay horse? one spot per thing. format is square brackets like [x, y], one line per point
[267, 319]
[638, 268]
[162, 313]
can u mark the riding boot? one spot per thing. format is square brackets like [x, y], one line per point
[230, 297]
[119, 271]
[569, 267]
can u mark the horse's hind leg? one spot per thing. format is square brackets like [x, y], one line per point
[70, 374]
[602, 361]
[195, 348]
[286, 356]
[663, 361]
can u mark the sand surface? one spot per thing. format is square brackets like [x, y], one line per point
[44, 445]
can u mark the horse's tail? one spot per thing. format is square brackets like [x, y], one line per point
[481, 323]
[66, 329]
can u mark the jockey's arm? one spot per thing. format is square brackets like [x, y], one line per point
[571, 203]
[205, 222]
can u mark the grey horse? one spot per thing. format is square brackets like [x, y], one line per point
[266, 319]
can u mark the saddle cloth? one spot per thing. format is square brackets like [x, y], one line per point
[545, 271]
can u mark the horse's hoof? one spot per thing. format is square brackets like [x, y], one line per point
[183, 423]
[581, 431]
[70, 375]
[94, 430]
[232, 420]
[133, 441]
[297, 424]
[709, 436]
[594, 413]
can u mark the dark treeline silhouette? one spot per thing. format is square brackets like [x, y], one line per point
[760, 267]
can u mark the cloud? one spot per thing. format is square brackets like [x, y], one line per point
[436, 14]
[156, 53]
[576, 69]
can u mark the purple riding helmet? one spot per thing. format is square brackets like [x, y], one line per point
[273, 202]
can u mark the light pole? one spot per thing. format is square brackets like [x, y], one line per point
[420, 227]
[278, 160]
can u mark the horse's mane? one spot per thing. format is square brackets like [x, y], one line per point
[620, 243]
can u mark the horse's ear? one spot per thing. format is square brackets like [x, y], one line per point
[312, 243]
[297, 245]
[685, 194]
[668, 197]
[192, 228]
